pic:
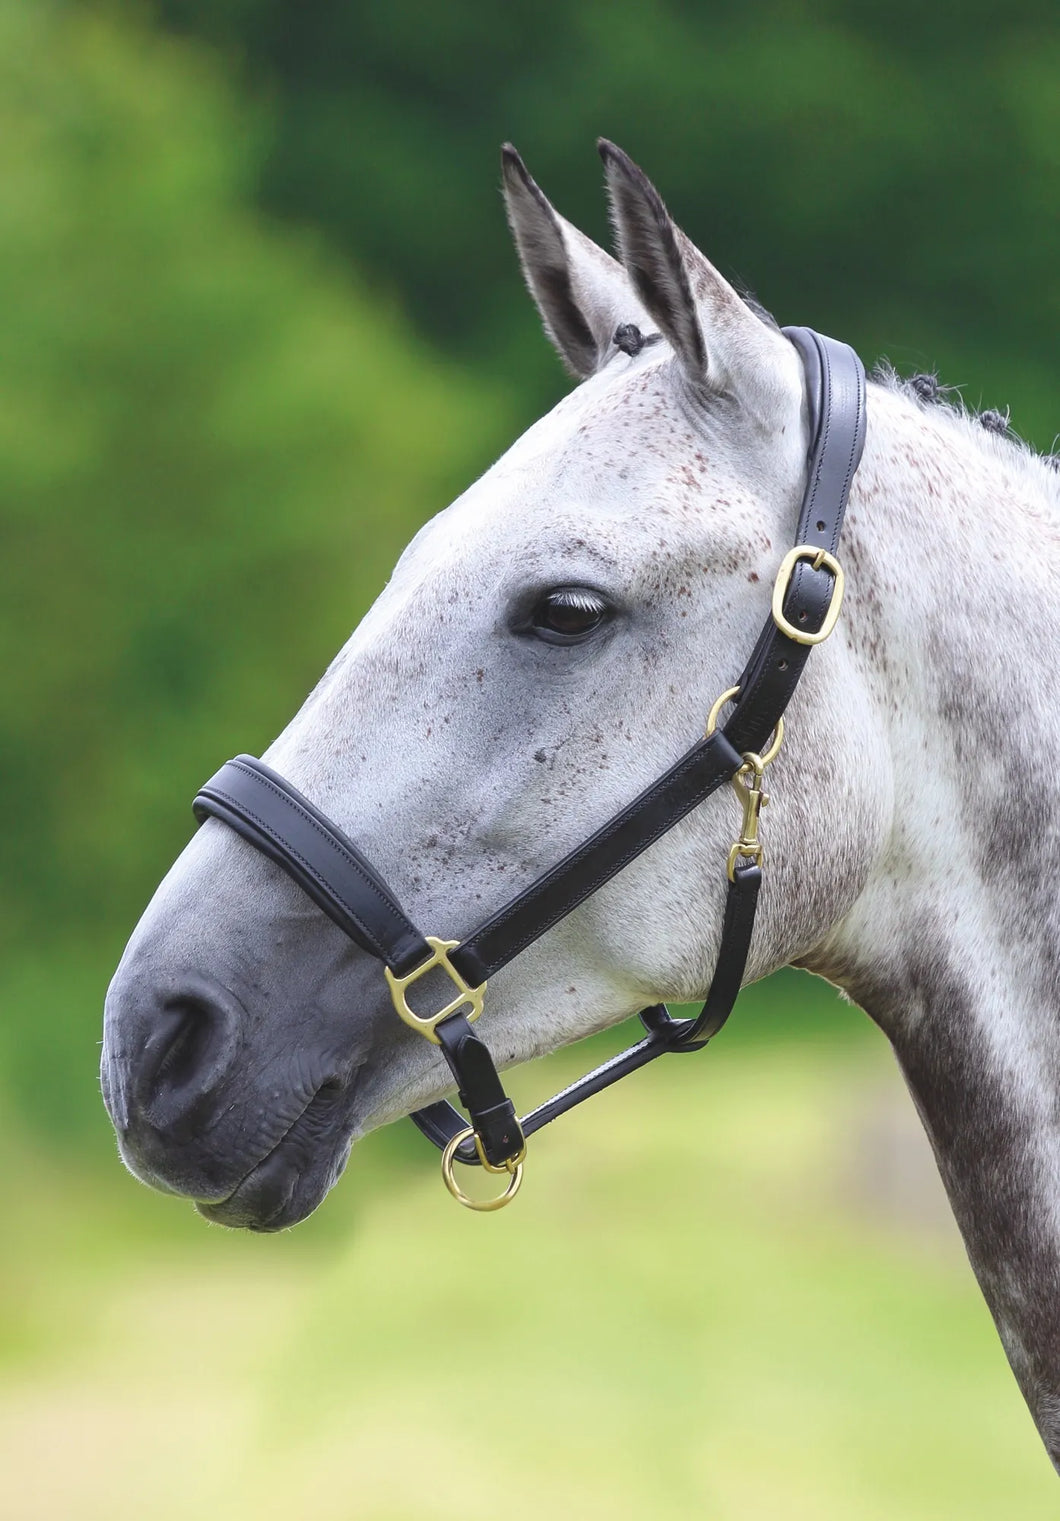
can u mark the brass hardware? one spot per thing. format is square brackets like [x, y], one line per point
[514, 1169]
[712, 717]
[750, 792]
[439, 956]
[754, 800]
[778, 733]
[819, 558]
[509, 1166]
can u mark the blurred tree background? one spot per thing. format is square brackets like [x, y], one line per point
[262, 318]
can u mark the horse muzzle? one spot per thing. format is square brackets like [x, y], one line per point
[259, 1155]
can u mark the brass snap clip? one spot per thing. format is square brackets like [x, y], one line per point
[748, 787]
[466, 995]
[747, 784]
[514, 1169]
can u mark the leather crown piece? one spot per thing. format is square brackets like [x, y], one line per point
[276, 819]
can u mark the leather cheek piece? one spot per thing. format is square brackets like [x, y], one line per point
[701, 771]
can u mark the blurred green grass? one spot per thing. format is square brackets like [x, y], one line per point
[694, 1308]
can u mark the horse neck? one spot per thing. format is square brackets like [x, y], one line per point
[953, 551]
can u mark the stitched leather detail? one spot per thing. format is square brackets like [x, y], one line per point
[440, 1122]
[835, 388]
[304, 861]
[329, 833]
[581, 873]
[482, 1094]
[284, 825]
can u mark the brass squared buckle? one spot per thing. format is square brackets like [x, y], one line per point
[425, 1023]
[820, 559]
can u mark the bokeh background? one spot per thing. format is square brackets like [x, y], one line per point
[261, 318]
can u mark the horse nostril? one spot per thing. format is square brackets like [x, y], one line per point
[185, 1057]
[182, 1058]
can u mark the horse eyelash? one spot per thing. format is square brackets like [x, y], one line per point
[580, 598]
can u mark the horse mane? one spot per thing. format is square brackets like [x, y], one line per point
[989, 429]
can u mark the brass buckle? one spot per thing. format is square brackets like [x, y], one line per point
[466, 994]
[819, 558]
[514, 1169]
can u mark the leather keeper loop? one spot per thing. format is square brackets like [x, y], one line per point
[481, 1092]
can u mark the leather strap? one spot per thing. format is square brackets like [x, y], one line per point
[265, 809]
[741, 901]
[440, 1122]
[835, 393]
[490, 1110]
[550, 898]
[278, 820]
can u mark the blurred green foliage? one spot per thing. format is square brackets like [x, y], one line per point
[205, 476]
[205, 467]
[699, 1307]
[888, 173]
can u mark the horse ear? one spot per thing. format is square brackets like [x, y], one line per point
[580, 291]
[712, 331]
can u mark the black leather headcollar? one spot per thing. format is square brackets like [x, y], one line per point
[276, 819]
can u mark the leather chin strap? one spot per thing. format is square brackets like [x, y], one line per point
[276, 819]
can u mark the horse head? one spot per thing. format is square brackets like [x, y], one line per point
[547, 645]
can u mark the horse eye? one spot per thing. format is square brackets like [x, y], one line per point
[569, 614]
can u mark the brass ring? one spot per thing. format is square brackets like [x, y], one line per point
[778, 733]
[481, 1205]
[712, 716]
